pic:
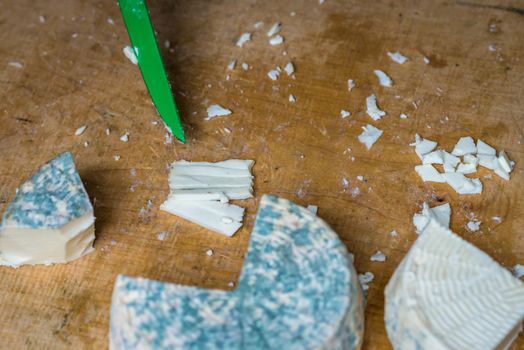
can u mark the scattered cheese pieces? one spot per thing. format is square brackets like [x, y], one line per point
[244, 38]
[80, 130]
[473, 225]
[372, 109]
[370, 135]
[397, 57]
[378, 256]
[273, 74]
[351, 84]
[217, 110]
[344, 114]
[232, 65]
[365, 279]
[275, 28]
[383, 78]
[440, 213]
[276, 40]
[289, 68]
[423, 146]
[465, 145]
[428, 173]
[130, 54]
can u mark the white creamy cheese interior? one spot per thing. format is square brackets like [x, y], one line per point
[447, 294]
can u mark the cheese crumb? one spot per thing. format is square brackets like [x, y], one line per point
[244, 38]
[426, 60]
[351, 84]
[216, 110]
[80, 130]
[397, 57]
[245, 66]
[273, 74]
[276, 40]
[403, 116]
[232, 65]
[383, 78]
[372, 109]
[394, 233]
[125, 137]
[209, 252]
[292, 98]
[378, 256]
[370, 135]
[15, 64]
[116, 157]
[365, 279]
[129, 52]
[344, 114]
[161, 235]
[473, 225]
[275, 28]
[289, 68]
[360, 178]
[312, 208]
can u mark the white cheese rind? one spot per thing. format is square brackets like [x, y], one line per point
[283, 299]
[447, 294]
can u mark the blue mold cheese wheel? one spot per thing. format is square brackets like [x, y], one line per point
[50, 220]
[449, 295]
[298, 290]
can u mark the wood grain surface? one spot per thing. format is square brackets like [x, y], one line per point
[73, 73]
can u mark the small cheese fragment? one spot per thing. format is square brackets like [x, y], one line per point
[124, 137]
[217, 110]
[397, 57]
[286, 298]
[435, 157]
[292, 98]
[275, 28]
[484, 148]
[465, 145]
[447, 294]
[473, 225]
[200, 193]
[403, 116]
[50, 220]
[344, 114]
[276, 40]
[372, 109]
[232, 65]
[80, 130]
[440, 213]
[378, 257]
[370, 135]
[423, 146]
[504, 162]
[312, 208]
[244, 38]
[273, 74]
[383, 78]
[245, 66]
[365, 279]
[466, 168]
[289, 68]
[428, 173]
[518, 270]
[129, 52]
[462, 184]
[488, 161]
[351, 84]
[471, 159]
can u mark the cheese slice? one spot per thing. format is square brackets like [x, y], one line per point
[298, 290]
[200, 192]
[446, 294]
[50, 219]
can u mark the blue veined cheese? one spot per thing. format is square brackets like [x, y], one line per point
[449, 295]
[50, 219]
[298, 290]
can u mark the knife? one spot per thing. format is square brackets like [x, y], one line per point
[144, 43]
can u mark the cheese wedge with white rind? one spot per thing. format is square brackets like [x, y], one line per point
[298, 290]
[50, 220]
[447, 294]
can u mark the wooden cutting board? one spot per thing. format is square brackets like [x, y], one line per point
[73, 73]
